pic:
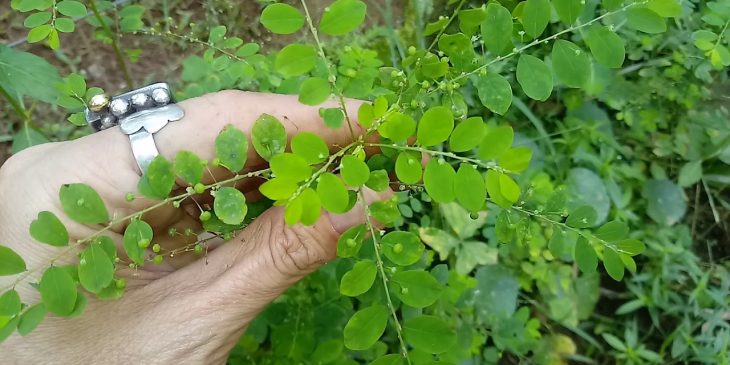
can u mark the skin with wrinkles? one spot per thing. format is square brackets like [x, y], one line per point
[189, 307]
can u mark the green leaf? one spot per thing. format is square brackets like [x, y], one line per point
[397, 127]
[496, 142]
[494, 92]
[408, 167]
[310, 146]
[690, 173]
[630, 247]
[429, 334]
[571, 64]
[24, 73]
[314, 91]
[497, 292]
[535, 77]
[516, 159]
[704, 39]
[439, 241]
[435, 126]
[467, 134]
[342, 17]
[469, 188]
[290, 167]
[71, 8]
[333, 117]
[585, 255]
[295, 59]
[216, 34]
[583, 217]
[10, 262]
[497, 28]
[503, 190]
[96, 269]
[535, 17]
[159, 179]
[27, 137]
[666, 203]
[31, 318]
[83, 204]
[416, 288]
[613, 264]
[137, 231]
[39, 33]
[9, 304]
[231, 148]
[568, 10]
[606, 46]
[327, 352]
[230, 205]
[278, 188]
[645, 20]
[189, 167]
[401, 247]
[365, 327]
[48, 229]
[65, 25]
[306, 208]
[268, 137]
[354, 171]
[378, 180]
[37, 19]
[282, 18]
[358, 280]
[665, 8]
[438, 179]
[333, 193]
[613, 231]
[58, 291]
[350, 242]
[392, 359]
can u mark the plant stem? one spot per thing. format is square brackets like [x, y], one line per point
[116, 222]
[588, 236]
[547, 39]
[332, 75]
[169, 34]
[381, 269]
[490, 166]
[115, 45]
[22, 113]
[451, 18]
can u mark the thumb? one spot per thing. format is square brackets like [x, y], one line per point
[244, 275]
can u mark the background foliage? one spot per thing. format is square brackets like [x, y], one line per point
[616, 105]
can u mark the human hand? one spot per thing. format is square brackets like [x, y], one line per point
[189, 308]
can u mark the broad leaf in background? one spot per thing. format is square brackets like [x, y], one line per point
[27, 137]
[666, 203]
[25, 74]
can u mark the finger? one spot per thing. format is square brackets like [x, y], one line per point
[244, 275]
[109, 151]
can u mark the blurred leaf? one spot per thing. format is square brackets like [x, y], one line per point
[282, 18]
[10, 262]
[24, 73]
[429, 334]
[665, 201]
[365, 327]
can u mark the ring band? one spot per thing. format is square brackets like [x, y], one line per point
[140, 114]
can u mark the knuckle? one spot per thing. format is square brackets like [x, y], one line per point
[297, 250]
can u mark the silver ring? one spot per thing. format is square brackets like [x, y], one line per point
[139, 114]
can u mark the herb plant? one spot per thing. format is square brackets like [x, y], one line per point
[514, 135]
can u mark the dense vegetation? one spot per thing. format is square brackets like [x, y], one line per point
[561, 134]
